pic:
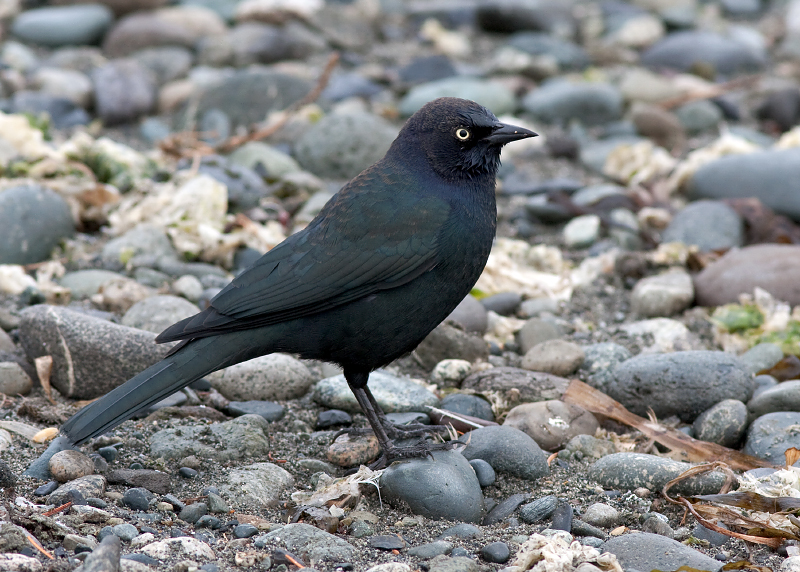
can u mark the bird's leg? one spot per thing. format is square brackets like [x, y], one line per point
[390, 452]
[408, 431]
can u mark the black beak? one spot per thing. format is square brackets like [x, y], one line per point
[504, 133]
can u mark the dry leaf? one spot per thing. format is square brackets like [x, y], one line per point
[44, 367]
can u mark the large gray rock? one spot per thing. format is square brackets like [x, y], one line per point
[156, 313]
[770, 435]
[269, 377]
[91, 356]
[647, 551]
[317, 544]
[104, 558]
[340, 146]
[771, 267]
[560, 101]
[443, 487]
[494, 96]
[681, 383]
[507, 450]
[56, 26]
[33, 221]
[244, 436]
[771, 176]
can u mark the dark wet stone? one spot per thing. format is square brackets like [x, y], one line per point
[46, 489]
[208, 521]
[724, 424]
[137, 498]
[505, 508]
[538, 510]
[108, 453]
[387, 542]
[562, 516]
[484, 472]
[187, 472]
[245, 531]
[713, 537]
[468, 405]
[507, 450]
[580, 528]
[332, 417]
[504, 303]
[496, 552]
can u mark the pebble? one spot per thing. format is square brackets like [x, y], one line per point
[449, 342]
[602, 515]
[463, 531]
[559, 101]
[245, 531]
[450, 372]
[78, 490]
[497, 552]
[557, 356]
[189, 287]
[393, 393]
[711, 225]
[319, 545]
[538, 510]
[105, 556]
[69, 465]
[465, 404]
[562, 516]
[471, 315]
[448, 478]
[457, 562]
[582, 231]
[181, 547]
[657, 525]
[137, 498]
[86, 283]
[632, 470]
[516, 384]
[154, 481]
[507, 450]
[269, 410]
[484, 472]
[535, 331]
[13, 379]
[331, 418]
[156, 313]
[551, 423]
[124, 91]
[350, 451]
[257, 485]
[762, 356]
[600, 360]
[681, 51]
[662, 295]
[55, 26]
[687, 382]
[645, 551]
[724, 424]
[431, 549]
[772, 267]
[504, 508]
[699, 116]
[770, 435]
[270, 377]
[125, 531]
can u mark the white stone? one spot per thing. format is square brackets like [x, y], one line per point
[179, 547]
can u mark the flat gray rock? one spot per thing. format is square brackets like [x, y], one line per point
[507, 450]
[157, 313]
[684, 49]
[444, 487]
[646, 551]
[90, 356]
[244, 436]
[318, 544]
[86, 283]
[559, 101]
[270, 377]
[629, 471]
[105, 557]
[394, 394]
[680, 383]
[259, 484]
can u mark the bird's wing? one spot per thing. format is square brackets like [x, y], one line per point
[353, 249]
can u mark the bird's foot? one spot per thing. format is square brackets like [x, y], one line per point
[394, 453]
[396, 432]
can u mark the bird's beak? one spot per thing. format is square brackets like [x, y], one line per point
[504, 133]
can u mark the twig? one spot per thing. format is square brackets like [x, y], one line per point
[38, 546]
[58, 509]
[713, 91]
[233, 142]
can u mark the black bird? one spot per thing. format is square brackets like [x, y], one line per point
[385, 261]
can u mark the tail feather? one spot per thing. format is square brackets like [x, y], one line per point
[187, 364]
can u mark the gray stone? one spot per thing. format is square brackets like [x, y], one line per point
[582, 231]
[772, 267]
[244, 436]
[393, 394]
[319, 545]
[56, 26]
[559, 357]
[70, 465]
[444, 563]
[494, 96]
[156, 313]
[484, 472]
[724, 424]
[600, 360]
[771, 176]
[588, 447]
[191, 513]
[449, 342]
[763, 383]
[538, 510]
[560, 101]
[686, 383]
[217, 504]
[568, 55]
[257, 485]
[142, 240]
[684, 50]
[699, 116]
[504, 303]
[629, 471]
[88, 486]
[444, 487]
[645, 551]
[470, 315]
[72, 541]
[245, 186]
[124, 91]
[431, 549]
[270, 377]
[507, 450]
[137, 498]
[762, 356]
[601, 514]
[625, 230]
[551, 423]
[125, 531]
[33, 221]
[782, 397]
[13, 379]
[86, 283]
[105, 557]
[535, 331]
[12, 538]
[466, 404]
[662, 295]
[90, 356]
[711, 225]
[167, 63]
[517, 385]
[342, 145]
[154, 481]
[594, 153]
[271, 163]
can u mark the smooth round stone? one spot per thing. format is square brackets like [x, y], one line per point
[468, 405]
[350, 85]
[772, 267]
[208, 521]
[245, 531]
[772, 176]
[621, 471]
[137, 498]
[538, 510]
[497, 552]
[141, 240]
[333, 417]
[450, 372]
[393, 394]
[13, 379]
[494, 96]
[504, 303]
[535, 306]
[46, 489]
[69, 465]
[352, 451]
[711, 225]
[568, 55]
[560, 101]
[587, 447]
[582, 231]
[763, 383]
[471, 315]
[686, 383]
[187, 472]
[450, 342]
[409, 417]
[124, 90]
[216, 503]
[507, 450]
[33, 221]
[386, 542]
[782, 397]
[551, 423]
[699, 116]
[431, 549]
[594, 153]
[426, 69]
[442, 487]
[193, 512]
[762, 356]
[535, 331]
[484, 472]
[559, 357]
[269, 410]
[85, 283]
[684, 50]
[156, 313]
[662, 295]
[271, 377]
[601, 514]
[125, 531]
[340, 146]
[245, 186]
[463, 530]
[724, 424]
[56, 26]
[269, 162]
[645, 551]
[657, 524]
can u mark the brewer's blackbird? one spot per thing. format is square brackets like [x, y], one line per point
[384, 262]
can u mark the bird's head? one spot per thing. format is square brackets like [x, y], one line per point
[460, 138]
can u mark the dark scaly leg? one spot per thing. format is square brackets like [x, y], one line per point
[403, 431]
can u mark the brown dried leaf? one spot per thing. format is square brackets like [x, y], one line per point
[792, 455]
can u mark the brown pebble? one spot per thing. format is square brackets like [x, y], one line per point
[349, 451]
[69, 465]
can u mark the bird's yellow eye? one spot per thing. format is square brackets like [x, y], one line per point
[463, 133]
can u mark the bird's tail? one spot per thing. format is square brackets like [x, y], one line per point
[187, 364]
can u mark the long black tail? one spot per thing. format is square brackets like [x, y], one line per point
[189, 363]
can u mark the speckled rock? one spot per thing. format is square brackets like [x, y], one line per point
[270, 377]
[259, 484]
[551, 423]
[393, 394]
[244, 436]
[156, 313]
[559, 357]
